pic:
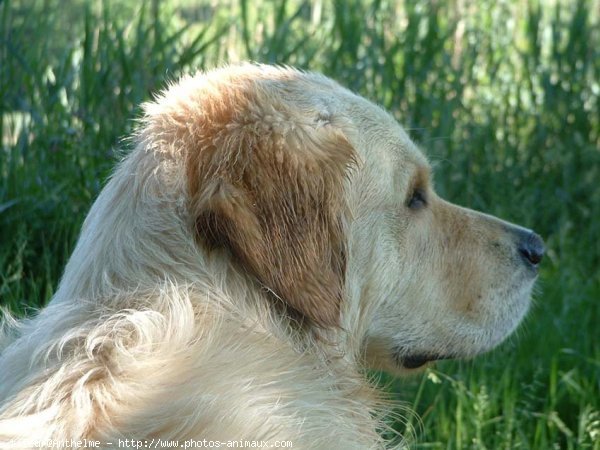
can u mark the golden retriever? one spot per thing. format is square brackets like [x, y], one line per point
[270, 237]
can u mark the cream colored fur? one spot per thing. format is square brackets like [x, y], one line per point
[154, 333]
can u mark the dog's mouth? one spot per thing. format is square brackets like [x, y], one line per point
[417, 360]
[400, 357]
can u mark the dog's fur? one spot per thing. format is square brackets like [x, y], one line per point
[270, 237]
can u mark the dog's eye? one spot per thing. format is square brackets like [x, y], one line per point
[417, 199]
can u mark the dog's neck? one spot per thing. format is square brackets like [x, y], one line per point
[205, 320]
[125, 233]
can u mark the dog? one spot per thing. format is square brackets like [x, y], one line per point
[270, 238]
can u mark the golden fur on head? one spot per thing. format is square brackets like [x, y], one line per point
[271, 193]
[270, 237]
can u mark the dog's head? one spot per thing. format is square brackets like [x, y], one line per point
[321, 198]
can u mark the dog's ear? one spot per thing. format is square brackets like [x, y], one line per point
[273, 196]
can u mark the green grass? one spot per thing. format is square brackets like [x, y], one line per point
[503, 96]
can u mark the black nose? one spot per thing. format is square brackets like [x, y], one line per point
[531, 247]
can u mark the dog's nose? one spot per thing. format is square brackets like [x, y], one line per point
[531, 247]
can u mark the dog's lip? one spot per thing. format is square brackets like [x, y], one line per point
[419, 360]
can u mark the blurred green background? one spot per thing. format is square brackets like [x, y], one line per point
[502, 95]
